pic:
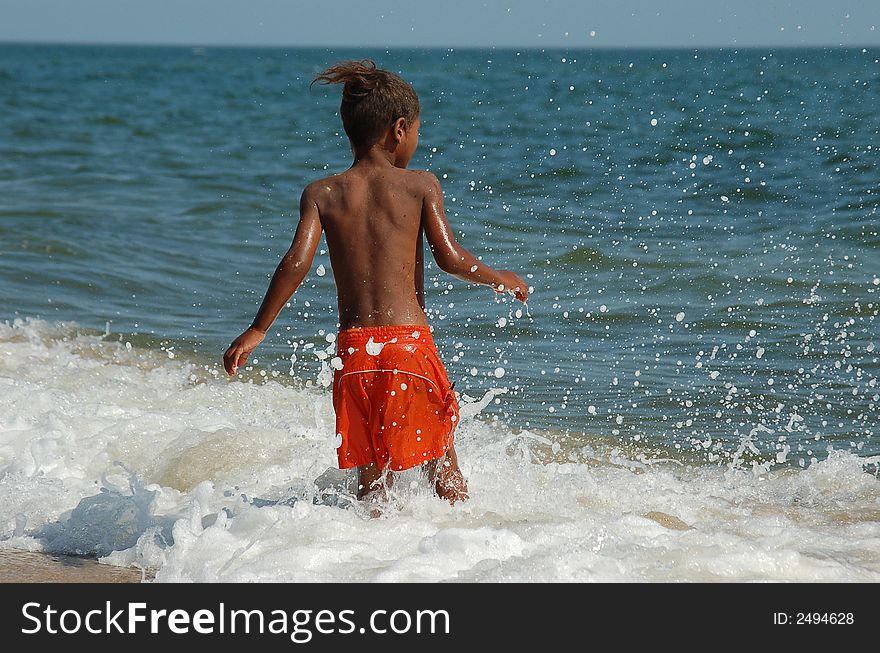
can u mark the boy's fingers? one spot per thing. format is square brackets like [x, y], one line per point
[229, 362]
[232, 358]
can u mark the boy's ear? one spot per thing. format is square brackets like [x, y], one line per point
[398, 128]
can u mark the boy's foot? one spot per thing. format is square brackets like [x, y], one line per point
[373, 502]
[373, 485]
[451, 486]
[447, 478]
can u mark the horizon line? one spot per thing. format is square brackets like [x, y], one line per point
[270, 46]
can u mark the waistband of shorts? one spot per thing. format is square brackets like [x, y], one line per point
[354, 336]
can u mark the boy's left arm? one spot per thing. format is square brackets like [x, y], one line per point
[289, 274]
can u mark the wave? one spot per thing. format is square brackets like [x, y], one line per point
[148, 459]
[582, 258]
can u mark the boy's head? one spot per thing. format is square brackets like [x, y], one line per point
[373, 100]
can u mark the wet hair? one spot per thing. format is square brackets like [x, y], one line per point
[372, 99]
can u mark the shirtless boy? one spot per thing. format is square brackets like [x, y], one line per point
[395, 407]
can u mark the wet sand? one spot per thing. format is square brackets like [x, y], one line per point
[32, 567]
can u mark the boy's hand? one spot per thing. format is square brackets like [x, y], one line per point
[240, 349]
[512, 283]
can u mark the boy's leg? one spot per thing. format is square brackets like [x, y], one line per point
[373, 484]
[446, 477]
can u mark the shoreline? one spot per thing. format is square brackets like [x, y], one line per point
[20, 566]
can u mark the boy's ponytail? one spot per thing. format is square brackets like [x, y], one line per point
[359, 78]
[372, 99]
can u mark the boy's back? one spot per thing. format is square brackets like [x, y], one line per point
[371, 217]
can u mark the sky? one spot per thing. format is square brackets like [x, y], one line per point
[446, 23]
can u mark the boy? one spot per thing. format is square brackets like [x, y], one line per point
[395, 407]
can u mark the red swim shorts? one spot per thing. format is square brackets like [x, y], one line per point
[394, 404]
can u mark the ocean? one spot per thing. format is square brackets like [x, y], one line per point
[690, 393]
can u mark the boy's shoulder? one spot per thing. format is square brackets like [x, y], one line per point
[321, 190]
[425, 176]
[422, 179]
[424, 182]
[324, 184]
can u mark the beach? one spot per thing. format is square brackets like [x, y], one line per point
[18, 566]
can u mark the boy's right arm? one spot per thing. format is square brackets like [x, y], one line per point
[452, 257]
[289, 274]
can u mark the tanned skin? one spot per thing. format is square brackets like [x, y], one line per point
[375, 216]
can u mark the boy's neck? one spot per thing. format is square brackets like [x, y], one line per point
[375, 155]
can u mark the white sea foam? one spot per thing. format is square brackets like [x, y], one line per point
[200, 452]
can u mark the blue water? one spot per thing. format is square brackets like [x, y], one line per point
[707, 285]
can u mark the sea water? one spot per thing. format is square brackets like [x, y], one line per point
[691, 392]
